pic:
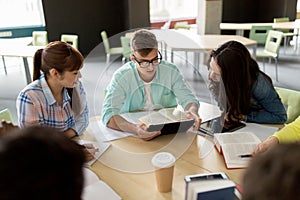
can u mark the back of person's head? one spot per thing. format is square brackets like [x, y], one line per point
[58, 55]
[274, 174]
[40, 163]
[143, 41]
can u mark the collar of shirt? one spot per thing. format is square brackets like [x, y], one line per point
[48, 94]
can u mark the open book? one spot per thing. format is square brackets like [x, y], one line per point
[167, 120]
[236, 147]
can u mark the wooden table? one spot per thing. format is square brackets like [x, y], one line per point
[142, 185]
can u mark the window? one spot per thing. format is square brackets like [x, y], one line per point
[16, 13]
[164, 10]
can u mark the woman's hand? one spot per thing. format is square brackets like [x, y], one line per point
[265, 145]
[6, 127]
[89, 151]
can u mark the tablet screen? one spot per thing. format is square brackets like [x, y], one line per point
[214, 126]
[174, 127]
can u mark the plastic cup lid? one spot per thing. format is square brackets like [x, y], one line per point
[163, 160]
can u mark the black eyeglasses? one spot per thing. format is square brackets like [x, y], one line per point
[146, 63]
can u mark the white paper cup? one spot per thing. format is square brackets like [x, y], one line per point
[164, 167]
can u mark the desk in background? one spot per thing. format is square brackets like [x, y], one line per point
[241, 27]
[19, 47]
[184, 40]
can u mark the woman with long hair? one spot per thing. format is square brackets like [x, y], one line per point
[242, 91]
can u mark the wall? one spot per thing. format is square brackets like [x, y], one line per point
[88, 18]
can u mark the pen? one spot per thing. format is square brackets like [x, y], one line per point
[245, 155]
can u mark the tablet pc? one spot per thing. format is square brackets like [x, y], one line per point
[214, 126]
[172, 127]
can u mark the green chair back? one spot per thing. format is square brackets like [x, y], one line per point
[39, 38]
[125, 43]
[182, 25]
[105, 41]
[6, 116]
[291, 100]
[259, 33]
[273, 42]
[71, 39]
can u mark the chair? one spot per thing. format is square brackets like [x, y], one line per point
[39, 38]
[182, 25]
[259, 33]
[110, 51]
[70, 39]
[286, 32]
[125, 43]
[291, 100]
[6, 116]
[271, 48]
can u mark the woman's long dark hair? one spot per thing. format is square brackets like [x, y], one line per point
[239, 72]
[59, 55]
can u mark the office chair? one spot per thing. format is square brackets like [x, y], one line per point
[291, 100]
[70, 39]
[271, 49]
[110, 51]
[125, 43]
[287, 34]
[6, 116]
[259, 33]
[39, 38]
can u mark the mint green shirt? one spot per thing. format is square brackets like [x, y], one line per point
[125, 92]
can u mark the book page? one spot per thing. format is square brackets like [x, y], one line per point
[154, 118]
[173, 113]
[236, 137]
[232, 153]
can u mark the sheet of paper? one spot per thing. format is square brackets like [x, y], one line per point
[104, 134]
[95, 189]
[208, 111]
[261, 131]
[99, 190]
[102, 146]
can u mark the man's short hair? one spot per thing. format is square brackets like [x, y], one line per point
[143, 42]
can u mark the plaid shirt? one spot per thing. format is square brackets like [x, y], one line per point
[37, 106]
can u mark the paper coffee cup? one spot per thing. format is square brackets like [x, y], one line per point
[164, 167]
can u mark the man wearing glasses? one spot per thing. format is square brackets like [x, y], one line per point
[146, 83]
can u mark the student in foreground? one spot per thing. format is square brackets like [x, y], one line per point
[55, 98]
[274, 174]
[40, 163]
[289, 133]
[241, 89]
[146, 83]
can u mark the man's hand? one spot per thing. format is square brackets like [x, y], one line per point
[192, 115]
[144, 134]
